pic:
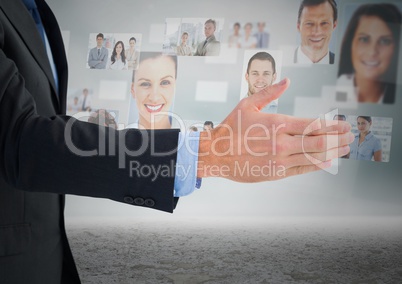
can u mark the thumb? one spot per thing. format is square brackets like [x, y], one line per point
[267, 95]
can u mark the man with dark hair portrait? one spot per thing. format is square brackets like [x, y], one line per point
[261, 73]
[208, 125]
[317, 19]
[98, 55]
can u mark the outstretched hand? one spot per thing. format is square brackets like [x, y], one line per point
[251, 146]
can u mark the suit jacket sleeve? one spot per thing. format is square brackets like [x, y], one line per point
[35, 155]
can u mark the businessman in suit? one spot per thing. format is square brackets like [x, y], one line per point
[317, 20]
[98, 55]
[36, 160]
[262, 36]
[38, 166]
[211, 46]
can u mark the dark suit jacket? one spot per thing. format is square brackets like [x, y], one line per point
[36, 165]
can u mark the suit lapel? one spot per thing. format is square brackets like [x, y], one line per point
[103, 52]
[331, 58]
[26, 27]
[204, 50]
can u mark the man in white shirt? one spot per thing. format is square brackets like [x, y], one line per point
[85, 101]
[317, 19]
[261, 73]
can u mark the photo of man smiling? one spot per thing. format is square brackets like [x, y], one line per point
[317, 20]
[261, 73]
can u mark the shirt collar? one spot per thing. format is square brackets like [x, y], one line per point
[303, 59]
[211, 38]
[368, 136]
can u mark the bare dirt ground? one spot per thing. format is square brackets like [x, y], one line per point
[278, 250]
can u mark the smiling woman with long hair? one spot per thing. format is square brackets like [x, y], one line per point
[118, 58]
[369, 53]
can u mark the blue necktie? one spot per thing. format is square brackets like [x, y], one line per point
[31, 6]
[33, 10]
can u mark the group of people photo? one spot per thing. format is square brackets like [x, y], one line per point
[367, 60]
[250, 36]
[193, 37]
[113, 51]
[368, 50]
